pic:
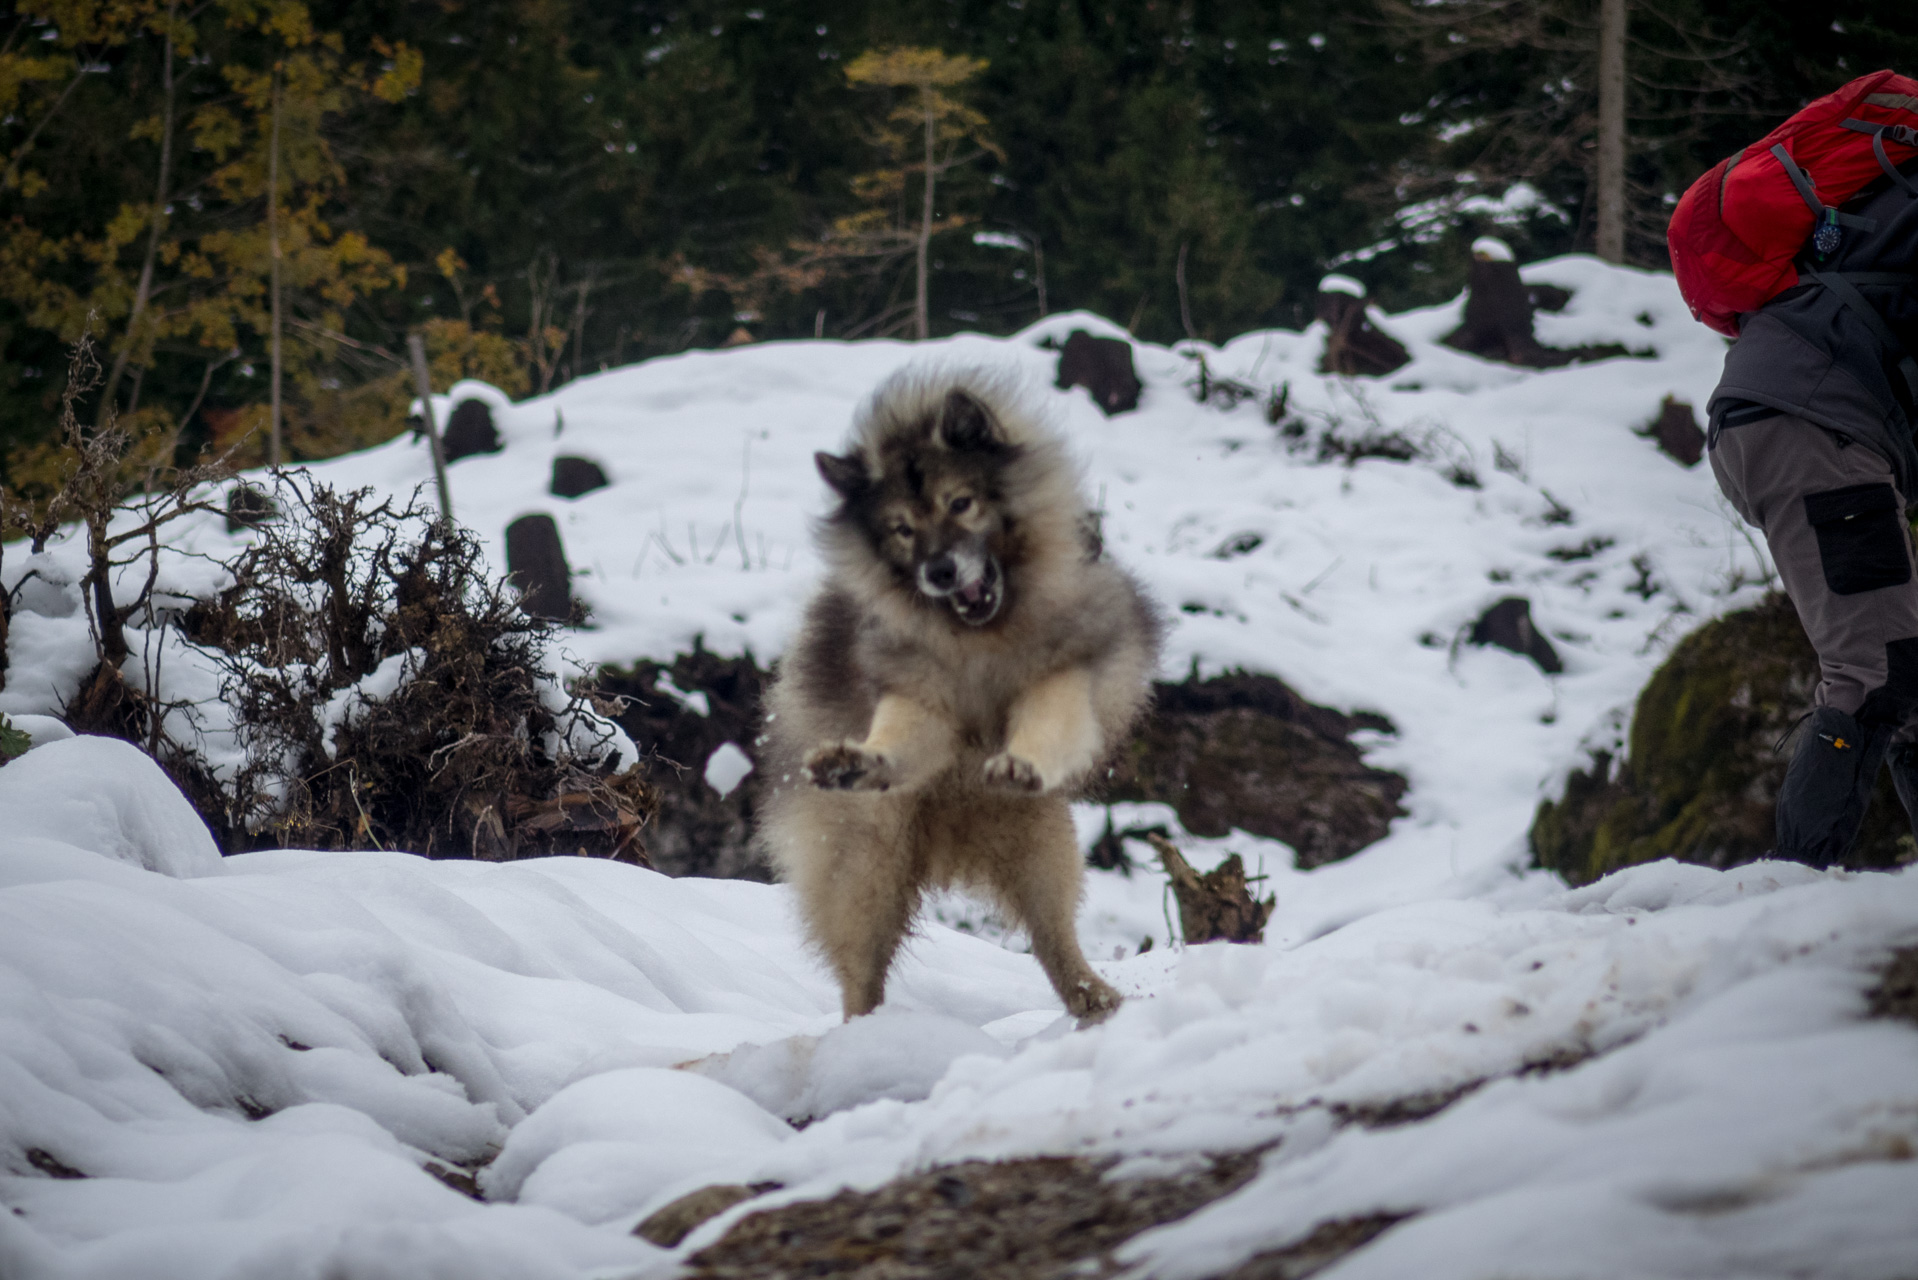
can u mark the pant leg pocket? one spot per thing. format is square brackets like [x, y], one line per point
[1862, 541]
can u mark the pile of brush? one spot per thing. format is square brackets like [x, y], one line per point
[388, 693]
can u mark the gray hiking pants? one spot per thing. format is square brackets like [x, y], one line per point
[1836, 527]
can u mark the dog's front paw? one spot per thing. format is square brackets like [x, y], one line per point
[846, 766]
[1008, 772]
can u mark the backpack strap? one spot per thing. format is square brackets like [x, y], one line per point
[1841, 283]
[1810, 193]
[1899, 133]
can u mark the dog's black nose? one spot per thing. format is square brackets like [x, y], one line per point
[942, 573]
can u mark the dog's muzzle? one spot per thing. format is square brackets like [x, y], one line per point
[969, 580]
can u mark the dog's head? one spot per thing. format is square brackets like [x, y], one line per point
[927, 496]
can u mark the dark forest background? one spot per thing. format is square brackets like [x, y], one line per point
[544, 188]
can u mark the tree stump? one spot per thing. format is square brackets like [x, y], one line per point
[1498, 313]
[1102, 366]
[1677, 432]
[1354, 346]
[573, 477]
[470, 430]
[1508, 624]
[1215, 905]
[536, 565]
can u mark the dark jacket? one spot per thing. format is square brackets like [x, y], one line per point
[1807, 353]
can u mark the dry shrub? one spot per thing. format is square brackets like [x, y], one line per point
[388, 693]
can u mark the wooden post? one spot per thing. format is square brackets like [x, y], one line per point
[1611, 130]
[424, 384]
[273, 238]
[922, 316]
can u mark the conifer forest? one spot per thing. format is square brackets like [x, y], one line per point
[543, 188]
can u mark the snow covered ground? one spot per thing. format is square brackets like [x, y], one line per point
[253, 1060]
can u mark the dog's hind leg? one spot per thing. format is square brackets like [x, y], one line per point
[1040, 883]
[1052, 735]
[857, 890]
[906, 745]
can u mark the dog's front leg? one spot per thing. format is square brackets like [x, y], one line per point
[906, 744]
[1052, 736]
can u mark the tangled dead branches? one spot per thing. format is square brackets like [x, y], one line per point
[387, 693]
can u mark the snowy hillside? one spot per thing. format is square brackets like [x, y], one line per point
[243, 1067]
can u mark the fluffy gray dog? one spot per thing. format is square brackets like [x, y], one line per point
[967, 663]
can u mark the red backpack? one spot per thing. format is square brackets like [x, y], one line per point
[1738, 232]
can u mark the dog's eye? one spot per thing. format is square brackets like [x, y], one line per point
[902, 530]
[960, 506]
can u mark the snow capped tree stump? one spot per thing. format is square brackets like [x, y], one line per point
[1353, 345]
[573, 477]
[1498, 311]
[470, 430]
[1677, 432]
[1500, 307]
[1102, 366]
[536, 565]
[1508, 624]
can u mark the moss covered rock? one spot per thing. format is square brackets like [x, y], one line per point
[1707, 752]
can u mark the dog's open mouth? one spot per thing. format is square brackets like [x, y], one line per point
[977, 602]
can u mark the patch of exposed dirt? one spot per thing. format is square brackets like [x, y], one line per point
[696, 831]
[667, 1226]
[1896, 995]
[1410, 1108]
[463, 1180]
[51, 1165]
[1238, 750]
[1038, 1219]
[1245, 751]
[1329, 1242]
[1017, 1220]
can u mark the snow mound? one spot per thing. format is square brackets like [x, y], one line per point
[605, 1147]
[107, 797]
[893, 1054]
[264, 1070]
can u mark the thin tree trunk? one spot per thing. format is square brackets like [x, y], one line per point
[1039, 270]
[1611, 130]
[542, 283]
[579, 326]
[922, 322]
[273, 237]
[143, 292]
[1185, 304]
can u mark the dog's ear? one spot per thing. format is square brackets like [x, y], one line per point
[846, 475]
[965, 424]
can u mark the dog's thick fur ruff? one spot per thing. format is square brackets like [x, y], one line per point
[967, 663]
